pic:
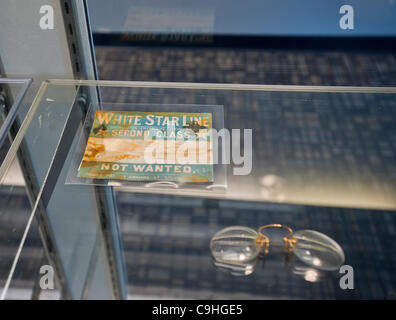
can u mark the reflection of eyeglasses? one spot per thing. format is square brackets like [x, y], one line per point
[238, 245]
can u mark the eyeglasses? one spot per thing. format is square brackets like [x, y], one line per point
[239, 245]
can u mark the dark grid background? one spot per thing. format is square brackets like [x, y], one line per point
[281, 67]
[166, 244]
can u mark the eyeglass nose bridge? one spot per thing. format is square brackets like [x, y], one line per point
[263, 242]
[288, 241]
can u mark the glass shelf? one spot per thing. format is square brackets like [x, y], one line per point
[332, 146]
[320, 146]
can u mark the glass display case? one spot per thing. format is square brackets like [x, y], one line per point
[296, 113]
[322, 159]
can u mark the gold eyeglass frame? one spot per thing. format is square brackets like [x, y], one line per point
[288, 240]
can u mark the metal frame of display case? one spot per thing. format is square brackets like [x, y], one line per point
[13, 109]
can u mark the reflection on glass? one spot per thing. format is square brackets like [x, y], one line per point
[240, 269]
[311, 274]
[272, 187]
